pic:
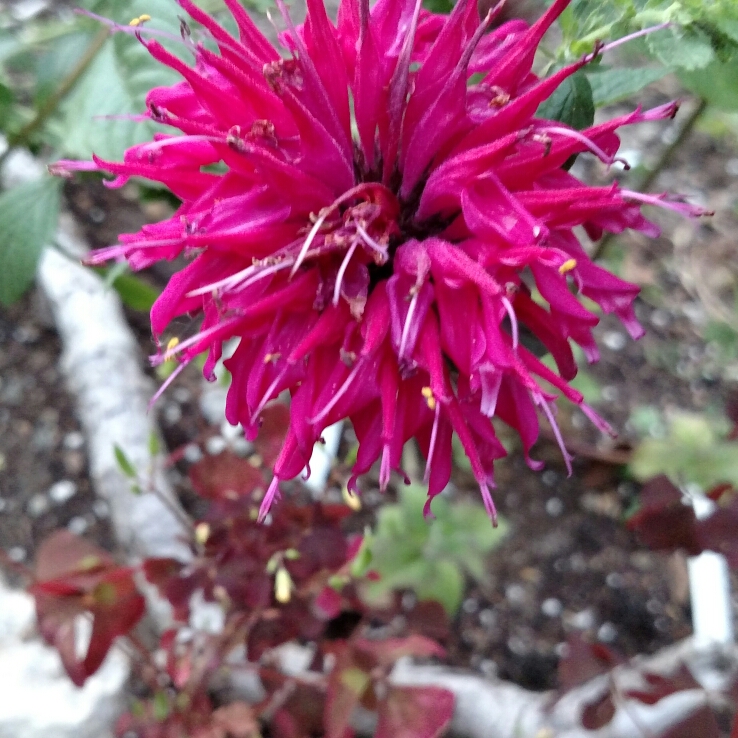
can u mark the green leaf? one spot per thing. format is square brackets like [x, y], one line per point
[95, 116]
[124, 463]
[445, 584]
[686, 49]
[438, 6]
[571, 102]
[6, 103]
[134, 292]
[154, 444]
[694, 450]
[613, 85]
[717, 83]
[28, 215]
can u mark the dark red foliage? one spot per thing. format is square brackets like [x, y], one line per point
[73, 578]
[359, 677]
[700, 724]
[663, 522]
[225, 477]
[599, 713]
[584, 661]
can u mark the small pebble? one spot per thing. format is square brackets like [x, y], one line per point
[607, 633]
[579, 420]
[74, 462]
[3, 504]
[731, 167]
[192, 453]
[578, 563]
[552, 607]
[583, 620]
[610, 393]
[654, 606]
[17, 554]
[44, 437]
[96, 214]
[37, 505]
[171, 414]
[488, 667]
[409, 600]
[515, 594]
[181, 395]
[241, 446]
[216, 445]
[74, 441]
[101, 509]
[549, 477]
[660, 318]
[517, 645]
[26, 334]
[615, 340]
[78, 525]
[230, 432]
[62, 491]
[614, 580]
[470, 605]
[487, 618]
[554, 507]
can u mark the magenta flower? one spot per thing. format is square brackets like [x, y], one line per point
[385, 188]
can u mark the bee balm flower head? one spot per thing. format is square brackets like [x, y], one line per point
[384, 183]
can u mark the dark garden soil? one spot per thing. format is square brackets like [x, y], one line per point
[569, 563]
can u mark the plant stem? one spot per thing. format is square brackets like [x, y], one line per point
[49, 106]
[643, 184]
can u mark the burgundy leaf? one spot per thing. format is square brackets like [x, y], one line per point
[159, 571]
[269, 633]
[347, 685]
[718, 532]
[428, 618]
[118, 606]
[599, 713]
[328, 603]
[700, 724]
[663, 522]
[64, 553]
[414, 712]
[584, 661]
[388, 651]
[225, 477]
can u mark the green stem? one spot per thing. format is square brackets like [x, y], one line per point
[643, 184]
[49, 106]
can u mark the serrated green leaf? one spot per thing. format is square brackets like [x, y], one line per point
[95, 116]
[614, 85]
[58, 58]
[124, 463]
[681, 48]
[571, 103]
[28, 216]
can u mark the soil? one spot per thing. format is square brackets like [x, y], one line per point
[569, 564]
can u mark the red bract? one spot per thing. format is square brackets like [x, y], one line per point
[385, 188]
[73, 578]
